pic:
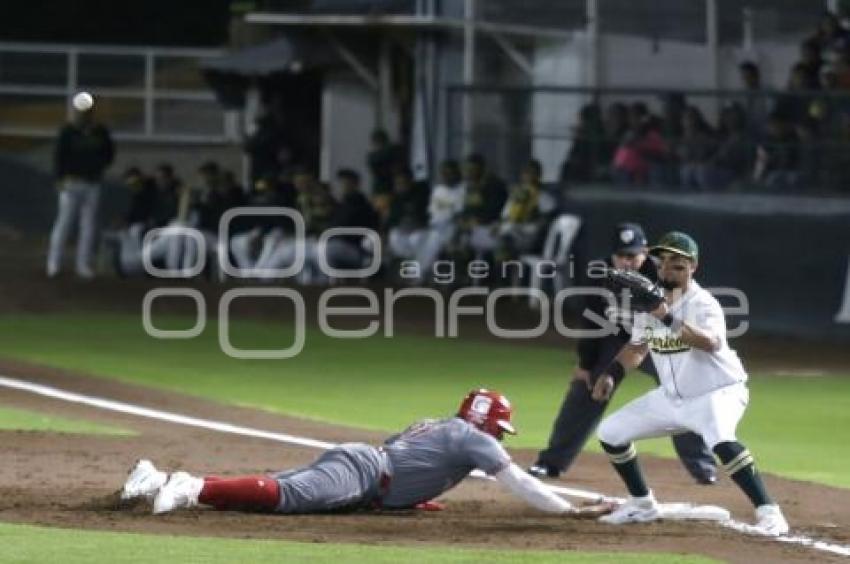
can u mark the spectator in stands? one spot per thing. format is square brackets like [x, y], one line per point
[733, 159]
[616, 127]
[810, 57]
[588, 152]
[384, 159]
[154, 204]
[523, 218]
[168, 188]
[170, 209]
[353, 210]
[138, 219]
[757, 105]
[794, 104]
[484, 193]
[253, 238]
[317, 207]
[842, 70]
[232, 191]
[811, 153]
[778, 155]
[665, 171]
[444, 208]
[84, 150]
[484, 198]
[830, 103]
[675, 106]
[695, 149]
[750, 76]
[143, 195]
[831, 35]
[641, 149]
[409, 207]
[501, 240]
[207, 202]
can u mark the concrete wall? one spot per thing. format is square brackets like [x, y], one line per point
[348, 118]
[638, 61]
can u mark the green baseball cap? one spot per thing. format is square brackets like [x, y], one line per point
[679, 243]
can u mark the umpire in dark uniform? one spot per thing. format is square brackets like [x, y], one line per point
[579, 412]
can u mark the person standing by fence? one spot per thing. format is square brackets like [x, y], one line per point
[84, 150]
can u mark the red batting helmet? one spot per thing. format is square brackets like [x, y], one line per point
[489, 411]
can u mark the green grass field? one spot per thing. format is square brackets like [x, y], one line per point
[24, 420]
[796, 426]
[23, 543]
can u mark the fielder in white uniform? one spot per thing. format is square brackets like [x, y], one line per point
[702, 388]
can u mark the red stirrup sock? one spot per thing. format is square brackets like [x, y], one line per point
[259, 493]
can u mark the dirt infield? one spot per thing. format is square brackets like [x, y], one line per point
[70, 481]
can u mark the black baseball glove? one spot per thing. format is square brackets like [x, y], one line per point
[645, 294]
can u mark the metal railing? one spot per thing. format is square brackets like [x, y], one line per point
[143, 94]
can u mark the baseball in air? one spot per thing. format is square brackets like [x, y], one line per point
[83, 101]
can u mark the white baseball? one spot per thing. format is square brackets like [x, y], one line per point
[83, 101]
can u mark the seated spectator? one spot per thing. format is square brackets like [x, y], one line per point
[169, 209]
[842, 70]
[640, 149]
[444, 207]
[522, 219]
[168, 190]
[830, 104]
[778, 155]
[354, 210]
[408, 211]
[794, 104]
[253, 238]
[588, 151]
[484, 198]
[810, 57]
[695, 148]
[484, 193]
[831, 37]
[733, 159]
[136, 222]
[757, 105]
[616, 126]
[207, 203]
[317, 207]
[672, 126]
[811, 153]
[231, 190]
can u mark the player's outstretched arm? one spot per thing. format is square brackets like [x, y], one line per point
[532, 490]
[536, 494]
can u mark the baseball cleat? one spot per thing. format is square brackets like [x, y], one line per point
[180, 491]
[541, 471]
[144, 480]
[707, 480]
[770, 520]
[635, 510]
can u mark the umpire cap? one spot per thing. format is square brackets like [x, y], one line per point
[629, 238]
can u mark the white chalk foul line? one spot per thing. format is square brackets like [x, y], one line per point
[131, 409]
